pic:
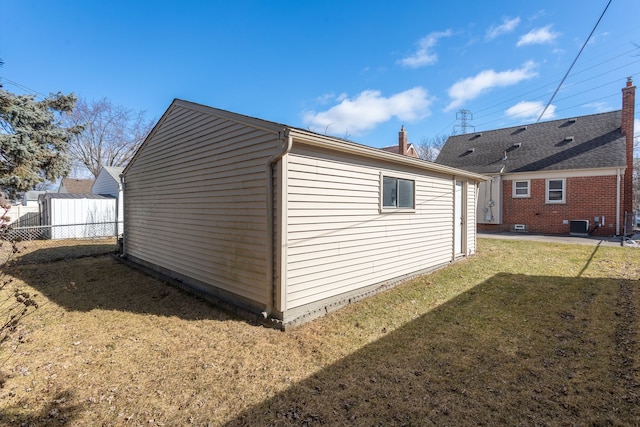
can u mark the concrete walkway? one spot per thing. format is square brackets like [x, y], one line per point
[590, 240]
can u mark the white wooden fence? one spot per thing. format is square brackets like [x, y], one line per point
[20, 216]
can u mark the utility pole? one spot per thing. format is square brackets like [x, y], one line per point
[464, 116]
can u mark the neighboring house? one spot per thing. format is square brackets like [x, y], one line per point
[73, 215]
[108, 184]
[562, 176]
[75, 185]
[403, 147]
[283, 222]
[30, 198]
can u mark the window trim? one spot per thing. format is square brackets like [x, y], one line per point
[394, 209]
[548, 190]
[515, 195]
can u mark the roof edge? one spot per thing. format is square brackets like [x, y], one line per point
[526, 124]
[262, 124]
[313, 138]
[379, 154]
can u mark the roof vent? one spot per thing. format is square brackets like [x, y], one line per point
[569, 139]
[575, 119]
[471, 150]
[517, 145]
[524, 127]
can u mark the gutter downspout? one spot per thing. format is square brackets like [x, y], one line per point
[123, 254]
[618, 184]
[270, 217]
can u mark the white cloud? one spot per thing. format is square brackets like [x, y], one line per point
[325, 98]
[366, 110]
[599, 107]
[539, 14]
[471, 87]
[507, 26]
[530, 110]
[538, 36]
[424, 55]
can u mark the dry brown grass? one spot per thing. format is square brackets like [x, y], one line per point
[521, 334]
[37, 251]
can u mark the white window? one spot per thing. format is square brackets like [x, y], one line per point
[555, 191]
[521, 188]
[398, 193]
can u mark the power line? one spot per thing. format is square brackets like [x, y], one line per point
[21, 86]
[572, 95]
[464, 116]
[614, 95]
[448, 126]
[606, 61]
[574, 61]
[603, 55]
[609, 71]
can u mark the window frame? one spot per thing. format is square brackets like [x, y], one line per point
[398, 178]
[515, 195]
[548, 190]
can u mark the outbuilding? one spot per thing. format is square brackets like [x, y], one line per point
[78, 215]
[107, 183]
[287, 223]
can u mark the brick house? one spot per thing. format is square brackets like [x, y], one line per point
[563, 176]
[403, 147]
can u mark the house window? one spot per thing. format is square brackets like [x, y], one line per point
[398, 193]
[521, 188]
[555, 190]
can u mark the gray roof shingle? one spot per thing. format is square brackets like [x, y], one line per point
[91, 196]
[585, 142]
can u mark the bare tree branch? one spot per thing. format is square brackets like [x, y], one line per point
[111, 136]
[429, 148]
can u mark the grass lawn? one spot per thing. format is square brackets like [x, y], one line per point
[521, 334]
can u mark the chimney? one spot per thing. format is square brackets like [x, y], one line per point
[628, 111]
[402, 141]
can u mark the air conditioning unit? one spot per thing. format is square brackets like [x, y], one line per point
[579, 227]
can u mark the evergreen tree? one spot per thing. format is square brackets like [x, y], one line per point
[33, 140]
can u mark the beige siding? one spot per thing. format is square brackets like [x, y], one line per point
[338, 240]
[471, 215]
[196, 201]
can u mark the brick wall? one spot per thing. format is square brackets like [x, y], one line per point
[585, 198]
[628, 114]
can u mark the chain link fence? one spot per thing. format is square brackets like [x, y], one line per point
[46, 243]
[631, 230]
[631, 224]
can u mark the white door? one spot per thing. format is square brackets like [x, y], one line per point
[458, 220]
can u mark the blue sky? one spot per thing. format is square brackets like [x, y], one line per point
[355, 69]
